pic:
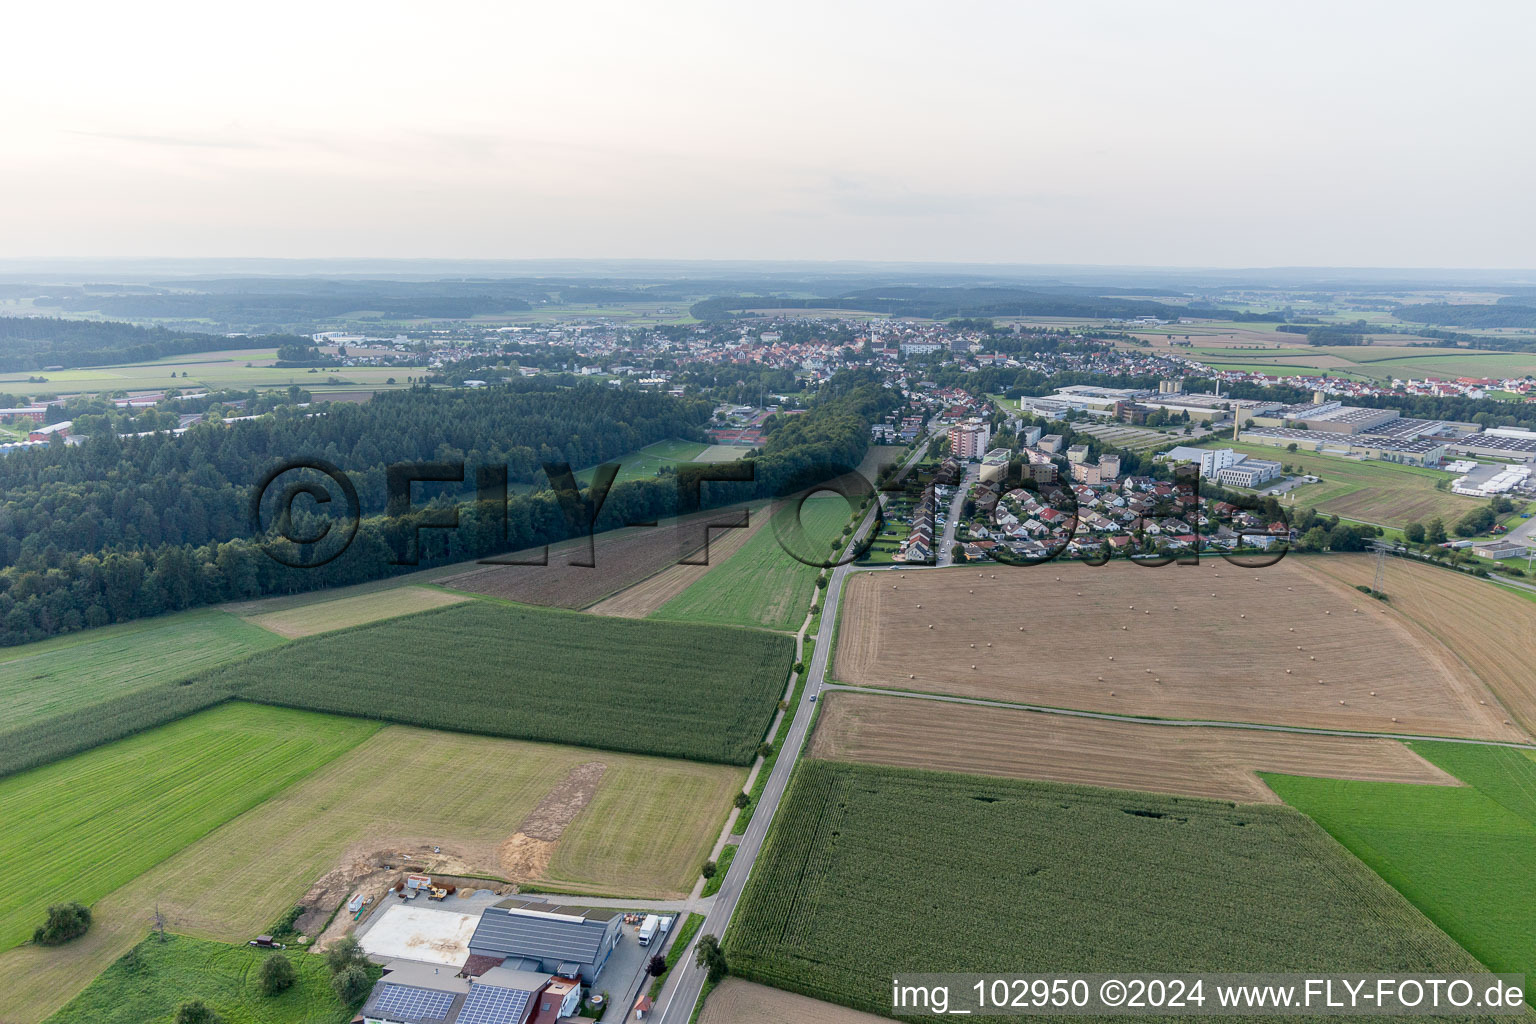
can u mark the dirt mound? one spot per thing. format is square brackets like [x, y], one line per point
[527, 853]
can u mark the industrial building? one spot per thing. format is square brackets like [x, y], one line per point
[566, 941]
[1421, 451]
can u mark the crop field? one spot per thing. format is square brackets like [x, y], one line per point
[325, 616]
[741, 1002]
[93, 822]
[1465, 856]
[649, 595]
[1286, 645]
[51, 676]
[645, 830]
[1491, 629]
[762, 584]
[1384, 493]
[1221, 764]
[224, 976]
[673, 689]
[872, 871]
[617, 559]
[211, 370]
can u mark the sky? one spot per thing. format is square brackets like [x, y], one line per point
[1187, 133]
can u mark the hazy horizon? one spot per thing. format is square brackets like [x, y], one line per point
[1112, 135]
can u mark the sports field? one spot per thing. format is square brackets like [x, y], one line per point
[1466, 856]
[1491, 629]
[167, 974]
[325, 616]
[89, 824]
[646, 462]
[762, 584]
[44, 678]
[672, 689]
[1384, 493]
[1285, 645]
[872, 871]
[1221, 764]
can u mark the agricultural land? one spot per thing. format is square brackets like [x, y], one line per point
[582, 572]
[637, 826]
[1221, 764]
[673, 689]
[762, 584]
[1492, 630]
[742, 1002]
[1285, 645]
[1465, 856]
[323, 617]
[871, 871]
[132, 804]
[41, 679]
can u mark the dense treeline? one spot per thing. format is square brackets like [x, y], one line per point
[295, 309]
[944, 303]
[32, 343]
[1469, 314]
[117, 529]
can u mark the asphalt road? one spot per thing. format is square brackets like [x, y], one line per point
[681, 992]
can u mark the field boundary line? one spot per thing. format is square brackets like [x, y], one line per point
[1110, 716]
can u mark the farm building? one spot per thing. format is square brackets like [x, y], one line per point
[570, 942]
[415, 993]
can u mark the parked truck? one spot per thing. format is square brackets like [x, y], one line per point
[648, 929]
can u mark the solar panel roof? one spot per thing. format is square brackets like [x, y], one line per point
[488, 1004]
[414, 1003]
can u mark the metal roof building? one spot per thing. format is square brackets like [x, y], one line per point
[555, 943]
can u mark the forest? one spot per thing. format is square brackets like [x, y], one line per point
[121, 528]
[33, 343]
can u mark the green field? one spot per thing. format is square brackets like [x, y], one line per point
[1373, 491]
[147, 986]
[676, 690]
[212, 370]
[762, 584]
[42, 679]
[79, 828]
[1466, 856]
[645, 463]
[872, 871]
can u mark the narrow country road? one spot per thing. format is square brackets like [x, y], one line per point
[681, 992]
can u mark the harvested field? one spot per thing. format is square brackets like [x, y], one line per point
[741, 1002]
[339, 825]
[1491, 630]
[648, 595]
[617, 559]
[1216, 763]
[353, 611]
[1210, 642]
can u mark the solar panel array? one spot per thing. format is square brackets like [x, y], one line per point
[414, 1003]
[488, 1004]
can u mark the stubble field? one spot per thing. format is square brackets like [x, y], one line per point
[741, 1002]
[1221, 764]
[1285, 645]
[1492, 630]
